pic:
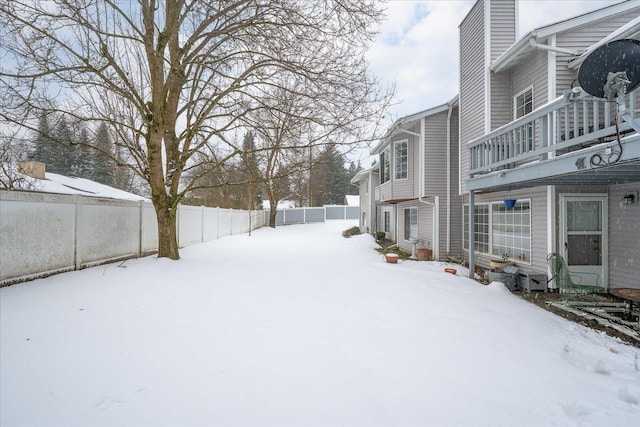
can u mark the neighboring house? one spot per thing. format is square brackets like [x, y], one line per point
[282, 204]
[417, 197]
[367, 181]
[47, 182]
[351, 200]
[559, 157]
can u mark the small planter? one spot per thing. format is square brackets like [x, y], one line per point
[509, 203]
[391, 258]
[423, 254]
[451, 271]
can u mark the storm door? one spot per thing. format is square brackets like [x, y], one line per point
[583, 235]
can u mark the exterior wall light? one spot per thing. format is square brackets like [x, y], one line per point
[629, 199]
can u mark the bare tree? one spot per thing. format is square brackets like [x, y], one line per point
[172, 78]
[13, 150]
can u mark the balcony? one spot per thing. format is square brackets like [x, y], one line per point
[572, 140]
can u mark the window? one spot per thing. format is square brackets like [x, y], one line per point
[400, 152]
[481, 228]
[385, 166]
[511, 231]
[387, 221]
[411, 223]
[523, 105]
[499, 231]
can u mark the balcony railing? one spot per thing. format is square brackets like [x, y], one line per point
[568, 123]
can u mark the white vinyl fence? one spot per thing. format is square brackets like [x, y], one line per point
[319, 214]
[43, 234]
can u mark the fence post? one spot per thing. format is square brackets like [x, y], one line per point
[201, 224]
[77, 255]
[140, 208]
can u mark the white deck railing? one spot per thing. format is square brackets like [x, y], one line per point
[568, 123]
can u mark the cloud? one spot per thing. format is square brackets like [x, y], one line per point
[418, 50]
[417, 47]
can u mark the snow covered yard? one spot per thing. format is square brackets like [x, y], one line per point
[299, 326]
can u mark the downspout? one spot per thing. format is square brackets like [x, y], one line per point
[449, 178]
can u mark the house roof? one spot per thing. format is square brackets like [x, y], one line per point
[60, 184]
[406, 122]
[352, 200]
[532, 40]
[363, 173]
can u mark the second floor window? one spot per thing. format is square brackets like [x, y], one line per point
[523, 105]
[385, 166]
[400, 152]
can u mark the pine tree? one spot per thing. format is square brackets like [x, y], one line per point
[83, 164]
[62, 154]
[330, 180]
[103, 164]
[43, 143]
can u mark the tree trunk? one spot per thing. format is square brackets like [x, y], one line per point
[272, 217]
[167, 232]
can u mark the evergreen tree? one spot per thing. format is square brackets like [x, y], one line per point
[103, 163]
[250, 171]
[82, 155]
[330, 180]
[43, 143]
[62, 155]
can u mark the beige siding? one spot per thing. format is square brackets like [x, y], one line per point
[435, 161]
[435, 155]
[503, 35]
[501, 99]
[472, 78]
[532, 72]
[425, 225]
[624, 238]
[503, 26]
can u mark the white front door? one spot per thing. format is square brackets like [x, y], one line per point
[583, 236]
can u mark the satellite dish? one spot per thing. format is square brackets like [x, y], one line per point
[611, 69]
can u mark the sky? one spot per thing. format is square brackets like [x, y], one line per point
[299, 326]
[417, 48]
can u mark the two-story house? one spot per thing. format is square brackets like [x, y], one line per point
[529, 133]
[417, 198]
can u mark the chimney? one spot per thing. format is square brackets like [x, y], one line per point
[32, 169]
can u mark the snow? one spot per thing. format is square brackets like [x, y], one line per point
[299, 326]
[60, 184]
[352, 200]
